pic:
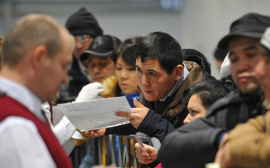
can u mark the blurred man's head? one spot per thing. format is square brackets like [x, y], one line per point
[85, 28]
[36, 53]
[159, 65]
[244, 50]
[99, 53]
[262, 69]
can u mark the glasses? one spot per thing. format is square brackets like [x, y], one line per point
[83, 38]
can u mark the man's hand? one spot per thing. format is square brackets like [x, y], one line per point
[96, 133]
[223, 157]
[137, 115]
[146, 157]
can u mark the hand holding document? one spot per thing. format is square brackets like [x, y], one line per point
[95, 114]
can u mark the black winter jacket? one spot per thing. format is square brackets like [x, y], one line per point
[196, 143]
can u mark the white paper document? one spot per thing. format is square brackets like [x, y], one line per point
[95, 114]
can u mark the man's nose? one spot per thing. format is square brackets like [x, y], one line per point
[243, 65]
[96, 69]
[144, 80]
[78, 45]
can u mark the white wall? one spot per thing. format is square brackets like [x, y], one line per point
[204, 22]
[200, 24]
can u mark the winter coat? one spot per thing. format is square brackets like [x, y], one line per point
[250, 142]
[195, 144]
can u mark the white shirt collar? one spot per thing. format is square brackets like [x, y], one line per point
[22, 95]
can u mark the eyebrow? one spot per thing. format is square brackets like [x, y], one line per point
[194, 107]
[250, 47]
[149, 70]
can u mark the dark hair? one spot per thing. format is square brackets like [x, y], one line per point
[163, 47]
[220, 53]
[209, 91]
[127, 50]
[198, 57]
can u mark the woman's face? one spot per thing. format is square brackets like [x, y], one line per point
[195, 108]
[126, 76]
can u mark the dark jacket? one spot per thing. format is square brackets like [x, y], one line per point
[196, 143]
[165, 116]
[69, 92]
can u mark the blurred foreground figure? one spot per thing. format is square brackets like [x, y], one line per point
[248, 144]
[36, 53]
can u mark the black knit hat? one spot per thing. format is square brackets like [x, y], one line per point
[250, 25]
[83, 22]
[102, 46]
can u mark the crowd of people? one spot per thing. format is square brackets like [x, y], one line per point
[197, 118]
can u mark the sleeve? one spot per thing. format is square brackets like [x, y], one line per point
[154, 125]
[22, 146]
[125, 129]
[192, 145]
[249, 143]
[64, 130]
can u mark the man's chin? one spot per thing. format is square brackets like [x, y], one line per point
[100, 80]
[250, 89]
[149, 97]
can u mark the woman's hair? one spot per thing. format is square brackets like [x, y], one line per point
[209, 91]
[127, 50]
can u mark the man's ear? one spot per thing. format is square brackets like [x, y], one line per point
[38, 56]
[178, 70]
